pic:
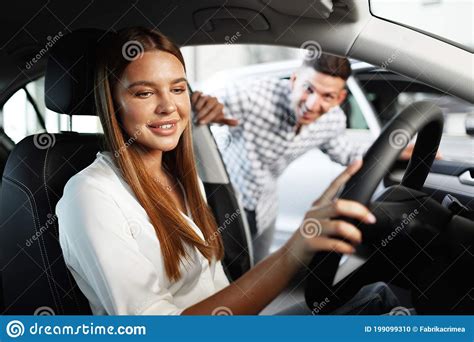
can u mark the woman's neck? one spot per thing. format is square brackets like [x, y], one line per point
[153, 160]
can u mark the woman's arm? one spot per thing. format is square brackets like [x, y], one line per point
[252, 292]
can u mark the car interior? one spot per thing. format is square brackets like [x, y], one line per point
[428, 263]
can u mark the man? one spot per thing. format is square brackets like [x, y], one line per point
[273, 122]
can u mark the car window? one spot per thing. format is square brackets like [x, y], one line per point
[390, 93]
[231, 63]
[355, 116]
[20, 117]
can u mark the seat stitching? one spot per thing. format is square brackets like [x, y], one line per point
[42, 239]
[31, 198]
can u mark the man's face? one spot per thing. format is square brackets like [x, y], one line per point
[314, 94]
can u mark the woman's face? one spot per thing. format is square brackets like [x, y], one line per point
[153, 100]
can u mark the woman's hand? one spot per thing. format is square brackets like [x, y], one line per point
[254, 290]
[408, 152]
[320, 232]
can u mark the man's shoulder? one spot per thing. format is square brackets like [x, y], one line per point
[272, 84]
[255, 86]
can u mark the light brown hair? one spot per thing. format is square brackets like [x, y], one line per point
[172, 230]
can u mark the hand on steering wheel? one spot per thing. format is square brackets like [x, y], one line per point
[320, 231]
[416, 243]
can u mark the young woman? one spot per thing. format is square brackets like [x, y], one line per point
[134, 226]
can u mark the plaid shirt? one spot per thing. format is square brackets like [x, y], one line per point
[258, 150]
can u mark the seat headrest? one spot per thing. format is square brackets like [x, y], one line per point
[69, 79]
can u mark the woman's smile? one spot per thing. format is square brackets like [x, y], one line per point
[163, 128]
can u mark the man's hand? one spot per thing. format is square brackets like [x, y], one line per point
[208, 109]
[408, 152]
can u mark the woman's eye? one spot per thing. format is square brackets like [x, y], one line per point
[144, 94]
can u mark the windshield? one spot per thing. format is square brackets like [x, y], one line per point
[451, 20]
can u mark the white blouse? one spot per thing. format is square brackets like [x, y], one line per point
[113, 253]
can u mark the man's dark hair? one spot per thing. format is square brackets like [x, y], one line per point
[330, 65]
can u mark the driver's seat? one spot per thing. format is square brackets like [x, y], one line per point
[35, 279]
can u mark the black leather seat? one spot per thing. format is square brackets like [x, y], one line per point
[35, 279]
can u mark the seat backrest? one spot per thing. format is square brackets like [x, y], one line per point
[35, 279]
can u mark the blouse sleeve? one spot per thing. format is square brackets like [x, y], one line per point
[98, 246]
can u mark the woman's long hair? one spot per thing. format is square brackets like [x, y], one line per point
[172, 230]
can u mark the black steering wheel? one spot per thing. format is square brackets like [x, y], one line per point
[415, 238]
